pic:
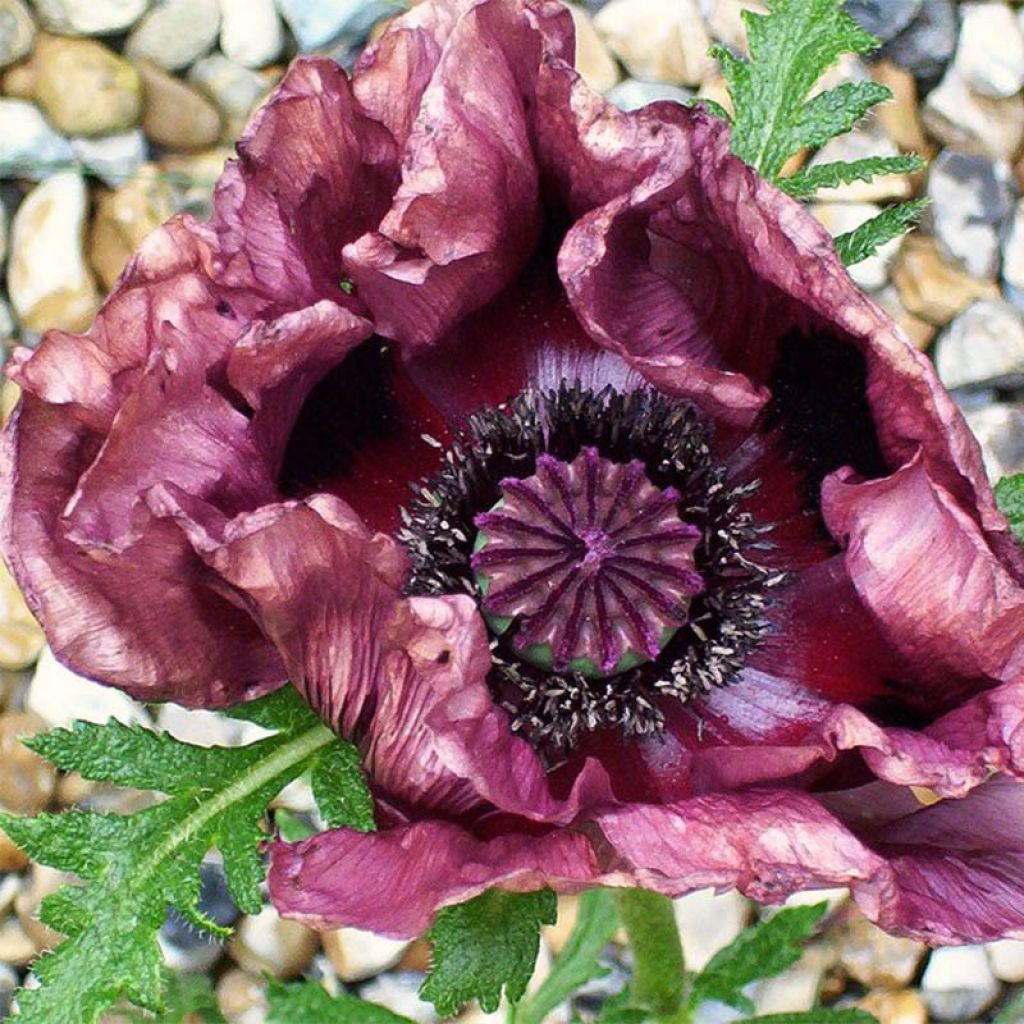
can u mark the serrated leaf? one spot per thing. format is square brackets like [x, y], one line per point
[805, 183]
[307, 1002]
[190, 999]
[790, 48]
[340, 790]
[1010, 498]
[577, 963]
[134, 866]
[713, 108]
[762, 951]
[864, 241]
[484, 946]
[823, 1015]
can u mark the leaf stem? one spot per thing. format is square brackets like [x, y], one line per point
[659, 976]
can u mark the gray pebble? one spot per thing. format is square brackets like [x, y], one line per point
[927, 44]
[17, 31]
[999, 429]
[29, 147]
[958, 983]
[318, 23]
[983, 346]
[884, 18]
[112, 158]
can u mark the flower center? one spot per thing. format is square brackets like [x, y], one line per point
[590, 560]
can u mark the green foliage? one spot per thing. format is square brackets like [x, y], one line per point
[485, 945]
[307, 1002]
[577, 963]
[821, 1015]
[133, 866]
[1010, 496]
[776, 117]
[188, 999]
[339, 789]
[763, 951]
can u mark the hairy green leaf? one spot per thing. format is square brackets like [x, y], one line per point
[763, 951]
[1010, 496]
[865, 241]
[307, 1002]
[340, 790]
[134, 866]
[188, 999]
[485, 945]
[805, 183]
[790, 48]
[577, 963]
[819, 1016]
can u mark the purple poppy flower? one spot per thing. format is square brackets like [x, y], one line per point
[701, 582]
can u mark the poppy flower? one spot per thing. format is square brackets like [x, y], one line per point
[556, 460]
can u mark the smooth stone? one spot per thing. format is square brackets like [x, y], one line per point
[250, 32]
[207, 728]
[26, 780]
[316, 23]
[175, 33]
[112, 158]
[90, 17]
[929, 287]
[927, 44]
[8, 986]
[60, 698]
[884, 19]
[16, 948]
[657, 42]
[970, 199]
[12, 858]
[900, 117]
[960, 118]
[796, 990]
[1000, 432]
[17, 31]
[21, 637]
[557, 935]
[242, 997]
[958, 983]
[123, 218]
[268, 942]
[42, 881]
[832, 898]
[724, 20]
[399, 992]
[1013, 257]
[983, 346]
[357, 955]
[10, 886]
[176, 115]
[632, 94]
[904, 1006]
[874, 958]
[919, 332]
[29, 147]
[193, 176]
[593, 61]
[236, 90]
[47, 279]
[3, 254]
[708, 922]
[858, 145]
[1006, 957]
[840, 218]
[84, 88]
[990, 53]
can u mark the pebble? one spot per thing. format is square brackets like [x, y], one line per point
[990, 53]
[725, 20]
[316, 23]
[657, 43]
[960, 118]
[796, 990]
[958, 984]
[356, 955]
[29, 147]
[1006, 957]
[42, 881]
[235, 89]
[84, 88]
[593, 61]
[1000, 432]
[920, 333]
[927, 44]
[709, 922]
[122, 220]
[857, 145]
[983, 346]
[16, 948]
[193, 175]
[242, 997]
[176, 115]
[399, 992]
[250, 32]
[970, 199]
[632, 94]
[8, 986]
[900, 117]
[21, 637]
[903, 1007]
[175, 33]
[47, 279]
[60, 697]
[11, 859]
[90, 17]
[840, 218]
[884, 18]
[207, 728]
[1013, 258]
[17, 31]
[874, 958]
[26, 780]
[929, 287]
[112, 158]
[268, 942]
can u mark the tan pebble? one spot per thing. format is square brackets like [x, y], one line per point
[240, 994]
[9, 395]
[16, 948]
[85, 88]
[417, 957]
[176, 115]
[900, 117]
[901, 1007]
[595, 64]
[19, 81]
[26, 780]
[124, 217]
[920, 332]
[930, 288]
[268, 942]
[43, 882]
[715, 88]
[356, 954]
[875, 958]
[556, 935]
[73, 789]
[11, 857]
[21, 637]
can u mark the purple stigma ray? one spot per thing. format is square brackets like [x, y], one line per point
[614, 580]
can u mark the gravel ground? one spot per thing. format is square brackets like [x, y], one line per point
[114, 114]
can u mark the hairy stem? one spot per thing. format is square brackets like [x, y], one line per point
[659, 978]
